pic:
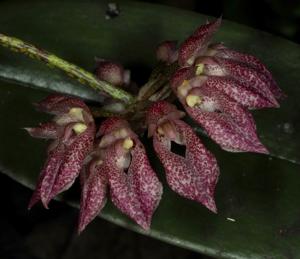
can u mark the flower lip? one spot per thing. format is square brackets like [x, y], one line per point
[114, 129]
[160, 112]
[193, 175]
[206, 60]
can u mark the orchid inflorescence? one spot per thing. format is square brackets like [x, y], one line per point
[215, 85]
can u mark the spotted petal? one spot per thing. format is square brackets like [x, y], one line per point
[244, 73]
[47, 176]
[197, 43]
[73, 161]
[137, 192]
[122, 192]
[48, 130]
[225, 121]
[93, 194]
[248, 59]
[56, 153]
[237, 90]
[193, 176]
[209, 28]
[145, 182]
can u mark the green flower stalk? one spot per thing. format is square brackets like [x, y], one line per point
[81, 75]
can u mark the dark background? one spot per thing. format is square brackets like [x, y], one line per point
[278, 17]
[43, 234]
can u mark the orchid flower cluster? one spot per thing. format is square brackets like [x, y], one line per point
[215, 85]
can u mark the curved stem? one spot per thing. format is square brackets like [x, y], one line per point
[158, 79]
[70, 69]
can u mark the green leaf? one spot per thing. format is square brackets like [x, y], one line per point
[260, 193]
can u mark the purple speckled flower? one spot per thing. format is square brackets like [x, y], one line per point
[193, 175]
[216, 86]
[120, 161]
[227, 122]
[72, 131]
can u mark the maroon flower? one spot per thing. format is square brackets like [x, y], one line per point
[217, 87]
[225, 121]
[194, 175]
[120, 161]
[231, 70]
[73, 132]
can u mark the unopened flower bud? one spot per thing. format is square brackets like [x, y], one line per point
[166, 52]
[112, 73]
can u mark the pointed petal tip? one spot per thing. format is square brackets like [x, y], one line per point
[44, 130]
[33, 200]
[210, 204]
[81, 225]
[84, 220]
[28, 130]
[196, 45]
[212, 209]
[257, 149]
[218, 21]
[45, 202]
[275, 103]
[46, 206]
[145, 225]
[263, 150]
[79, 231]
[32, 132]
